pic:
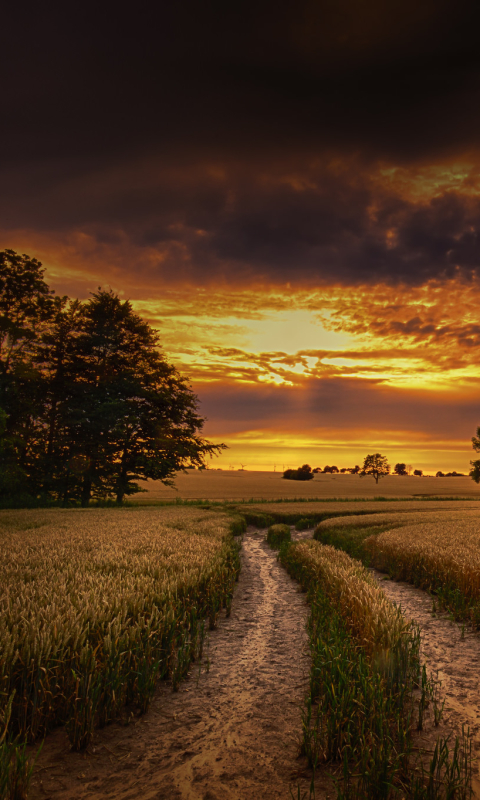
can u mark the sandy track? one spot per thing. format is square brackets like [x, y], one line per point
[456, 659]
[230, 733]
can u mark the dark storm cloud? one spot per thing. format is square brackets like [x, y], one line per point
[276, 223]
[184, 130]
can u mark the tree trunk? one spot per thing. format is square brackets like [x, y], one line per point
[122, 479]
[86, 489]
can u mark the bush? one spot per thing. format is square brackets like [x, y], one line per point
[301, 474]
[278, 534]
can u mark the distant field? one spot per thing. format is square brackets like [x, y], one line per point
[319, 508]
[237, 485]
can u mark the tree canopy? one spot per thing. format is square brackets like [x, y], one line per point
[375, 465]
[89, 404]
[475, 471]
[304, 473]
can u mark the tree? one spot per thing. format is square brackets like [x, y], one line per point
[400, 469]
[375, 465]
[439, 474]
[418, 472]
[354, 470]
[132, 415]
[25, 304]
[26, 308]
[331, 469]
[89, 403]
[475, 471]
[303, 473]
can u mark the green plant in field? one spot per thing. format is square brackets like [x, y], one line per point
[15, 767]
[348, 538]
[363, 683]
[278, 534]
[303, 524]
[257, 519]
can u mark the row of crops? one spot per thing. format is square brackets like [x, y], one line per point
[438, 552]
[95, 608]
[369, 693]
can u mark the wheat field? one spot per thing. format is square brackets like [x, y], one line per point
[237, 485]
[97, 605]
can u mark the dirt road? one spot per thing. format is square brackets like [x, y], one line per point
[453, 651]
[230, 733]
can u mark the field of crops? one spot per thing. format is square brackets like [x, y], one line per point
[290, 512]
[438, 551]
[95, 607]
[368, 692]
[249, 484]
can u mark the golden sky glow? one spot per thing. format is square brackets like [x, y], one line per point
[417, 344]
[288, 368]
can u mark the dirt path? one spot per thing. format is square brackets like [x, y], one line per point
[230, 733]
[454, 655]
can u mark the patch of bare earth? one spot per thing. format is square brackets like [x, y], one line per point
[230, 732]
[453, 651]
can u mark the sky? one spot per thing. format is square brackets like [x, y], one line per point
[289, 192]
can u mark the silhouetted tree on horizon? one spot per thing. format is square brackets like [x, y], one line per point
[375, 465]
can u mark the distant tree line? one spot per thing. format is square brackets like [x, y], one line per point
[88, 403]
[377, 466]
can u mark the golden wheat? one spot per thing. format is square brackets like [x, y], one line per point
[444, 553]
[100, 602]
[375, 622]
[402, 517]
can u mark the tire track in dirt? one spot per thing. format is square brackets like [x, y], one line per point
[454, 654]
[230, 733]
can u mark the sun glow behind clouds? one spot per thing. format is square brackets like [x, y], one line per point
[291, 331]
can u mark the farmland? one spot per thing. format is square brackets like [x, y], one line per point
[104, 610]
[96, 606]
[365, 655]
[237, 485]
[438, 551]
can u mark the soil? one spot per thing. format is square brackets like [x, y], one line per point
[453, 651]
[231, 731]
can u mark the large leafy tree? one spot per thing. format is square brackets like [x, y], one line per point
[26, 308]
[104, 408]
[375, 465]
[133, 416]
[475, 471]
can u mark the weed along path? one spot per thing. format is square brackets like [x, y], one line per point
[233, 729]
[453, 651]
